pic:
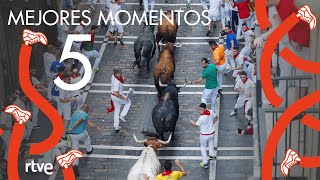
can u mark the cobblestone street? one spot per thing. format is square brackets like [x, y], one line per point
[115, 153]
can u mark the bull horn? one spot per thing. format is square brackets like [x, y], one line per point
[160, 43]
[162, 85]
[180, 45]
[140, 142]
[165, 142]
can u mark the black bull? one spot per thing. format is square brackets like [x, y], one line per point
[145, 46]
[166, 113]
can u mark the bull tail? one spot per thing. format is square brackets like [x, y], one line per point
[141, 52]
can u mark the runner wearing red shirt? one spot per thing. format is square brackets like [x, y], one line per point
[244, 12]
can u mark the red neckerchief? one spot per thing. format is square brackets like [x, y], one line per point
[166, 173]
[74, 75]
[214, 48]
[120, 79]
[245, 81]
[246, 29]
[111, 109]
[92, 37]
[230, 32]
[206, 112]
[60, 76]
[235, 56]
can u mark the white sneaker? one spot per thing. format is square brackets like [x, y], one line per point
[122, 119]
[117, 129]
[232, 113]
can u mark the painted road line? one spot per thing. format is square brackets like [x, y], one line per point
[182, 43]
[84, 97]
[152, 86]
[154, 92]
[182, 38]
[111, 147]
[213, 163]
[156, 4]
[104, 156]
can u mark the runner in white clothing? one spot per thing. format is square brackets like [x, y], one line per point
[115, 27]
[63, 31]
[79, 30]
[6, 125]
[64, 103]
[245, 88]
[206, 123]
[217, 14]
[117, 98]
[49, 58]
[238, 58]
[248, 36]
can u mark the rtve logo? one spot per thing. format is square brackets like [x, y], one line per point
[39, 167]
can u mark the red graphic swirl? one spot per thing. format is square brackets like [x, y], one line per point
[13, 152]
[42, 103]
[311, 122]
[68, 173]
[298, 62]
[46, 108]
[281, 125]
[262, 15]
[266, 58]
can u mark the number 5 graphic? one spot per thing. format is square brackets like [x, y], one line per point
[75, 55]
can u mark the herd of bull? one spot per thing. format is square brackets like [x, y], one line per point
[166, 113]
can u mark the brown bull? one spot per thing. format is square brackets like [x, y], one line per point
[167, 32]
[164, 70]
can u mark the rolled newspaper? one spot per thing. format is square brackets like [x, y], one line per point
[130, 91]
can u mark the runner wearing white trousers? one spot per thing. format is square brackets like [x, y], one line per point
[146, 5]
[117, 105]
[92, 54]
[205, 4]
[210, 94]
[206, 124]
[6, 125]
[245, 88]
[217, 13]
[75, 141]
[206, 140]
[117, 98]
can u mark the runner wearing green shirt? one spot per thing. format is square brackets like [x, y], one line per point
[212, 86]
[90, 52]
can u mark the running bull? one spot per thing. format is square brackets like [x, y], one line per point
[164, 70]
[145, 46]
[166, 113]
[148, 164]
[167, 31]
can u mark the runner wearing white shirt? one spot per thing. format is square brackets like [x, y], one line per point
[217, 13]
[75, 78]
[117, 98]
[114, 26]
[247, 35]
[245, 87]
[206, 124]
[39, 86]
[21, 101]
[64, 103]
[79, 30]
[238, 58]
[63, 31]
[49, 58]
[6, 125]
